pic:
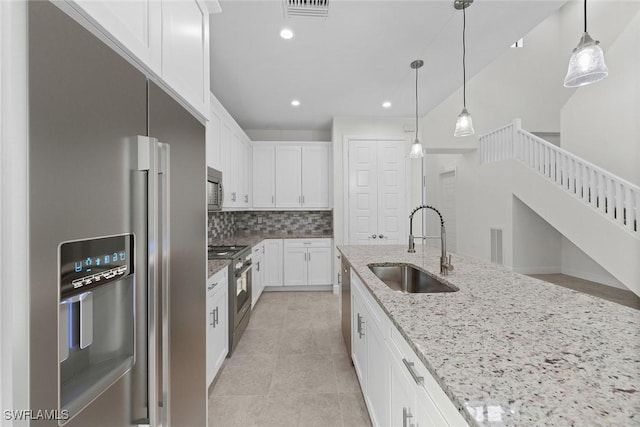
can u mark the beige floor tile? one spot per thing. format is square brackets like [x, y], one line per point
[246, 375]
[354, 410]
[290, 368]
[274, 411]
[346, 379]
[231, 411]
[303, 373]
[319, 410]
[259, 341]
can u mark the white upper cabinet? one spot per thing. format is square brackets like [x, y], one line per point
[214, 139]
[315, 177]
[185, 50]
[169, 39]
[291, 175]
[136, 25]
[229, 150]
[264, 176]
[288, 177]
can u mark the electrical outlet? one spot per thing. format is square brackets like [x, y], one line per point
[259, 220]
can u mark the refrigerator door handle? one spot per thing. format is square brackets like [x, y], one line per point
[150, 219]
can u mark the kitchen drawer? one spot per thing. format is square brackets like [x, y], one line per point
[218, 280]
[441, 409]
[378, 315]
[308, 243]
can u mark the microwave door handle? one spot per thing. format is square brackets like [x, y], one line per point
[221, 201]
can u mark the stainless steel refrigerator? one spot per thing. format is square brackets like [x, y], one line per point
[117, 238]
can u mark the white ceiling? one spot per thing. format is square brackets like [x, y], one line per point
[350, 62]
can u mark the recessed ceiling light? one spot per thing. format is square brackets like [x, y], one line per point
[295, 103]
[386, 104]
[286, 34]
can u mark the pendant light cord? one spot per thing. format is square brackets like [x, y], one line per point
[464, 54]
[585, 16]
[416, 103]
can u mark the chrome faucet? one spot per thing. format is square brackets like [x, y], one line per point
[445, 264]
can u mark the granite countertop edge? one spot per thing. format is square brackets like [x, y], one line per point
[482, 357]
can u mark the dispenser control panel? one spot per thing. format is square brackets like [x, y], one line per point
[85, 264]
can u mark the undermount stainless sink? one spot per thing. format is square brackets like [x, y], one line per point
[407, 278]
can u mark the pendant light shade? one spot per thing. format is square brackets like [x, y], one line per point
[586, 64]
[417, 151]
[464, 124]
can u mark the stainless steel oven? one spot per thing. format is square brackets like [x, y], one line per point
[214, 190]
[239, 288]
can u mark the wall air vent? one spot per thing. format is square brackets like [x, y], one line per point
[312, 8]
[496, 246]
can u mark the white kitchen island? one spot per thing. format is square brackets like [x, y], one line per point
[510, 350]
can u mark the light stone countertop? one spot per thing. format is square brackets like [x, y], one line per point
[511, 350]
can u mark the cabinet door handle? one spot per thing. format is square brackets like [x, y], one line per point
[373, 236]
[215, 317]
[212, 286]
[233, 196]
[381, 236]
[406, 415]
[309, 256]
[417, 378]
[212, 319]
[360, 325]
[273, 199]
[303, 200]
[258, 266]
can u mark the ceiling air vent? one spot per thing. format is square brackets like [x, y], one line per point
[313, 8]
[496, 246]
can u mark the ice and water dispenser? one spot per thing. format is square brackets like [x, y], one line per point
[96, 318]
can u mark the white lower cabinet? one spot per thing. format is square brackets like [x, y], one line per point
[273, 266]
[217, 335]
[397, 387]
[257, 272]
[307, 262]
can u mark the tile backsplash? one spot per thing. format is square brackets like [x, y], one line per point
[225, 224]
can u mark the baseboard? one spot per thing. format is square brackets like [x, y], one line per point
[603, 280]
[299, 288]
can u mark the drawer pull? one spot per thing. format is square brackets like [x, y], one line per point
[417, 378]
[360, 324]
[406, 415]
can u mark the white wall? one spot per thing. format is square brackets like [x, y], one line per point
[537, 246]
[14, 274]
[527, 83]
[578, 264]
[600, 121]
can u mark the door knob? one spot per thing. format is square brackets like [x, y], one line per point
[381, 236]
[373, 236]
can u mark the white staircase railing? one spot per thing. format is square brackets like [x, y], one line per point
[612, 196]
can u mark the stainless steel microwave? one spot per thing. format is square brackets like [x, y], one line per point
[215, 192]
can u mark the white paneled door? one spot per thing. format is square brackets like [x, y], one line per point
[377, 191]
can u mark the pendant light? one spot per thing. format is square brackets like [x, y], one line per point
[464, 124]
[586, 65]
[417, 150]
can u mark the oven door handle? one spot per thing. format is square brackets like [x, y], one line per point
[243, 269]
